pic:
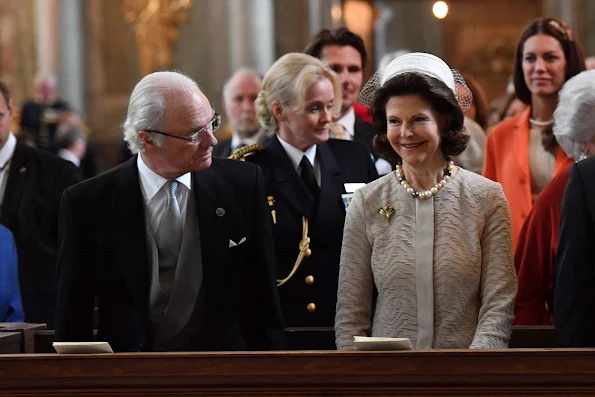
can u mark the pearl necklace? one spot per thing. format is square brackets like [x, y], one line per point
[434, 189]
[541, 123]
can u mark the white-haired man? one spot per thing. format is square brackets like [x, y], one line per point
[175, 246]
[239, 94]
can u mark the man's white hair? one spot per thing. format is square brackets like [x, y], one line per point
[146, 106]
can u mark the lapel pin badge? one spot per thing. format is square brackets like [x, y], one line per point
[387, 212]
[220, 212]
[23, 169]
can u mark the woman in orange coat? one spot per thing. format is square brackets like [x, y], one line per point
[522, 153]
[537, 248]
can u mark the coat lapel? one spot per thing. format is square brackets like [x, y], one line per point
[17, 176]
[331, 186]
[522, 149]
[129, 233]
[288, 181]
[213, 223]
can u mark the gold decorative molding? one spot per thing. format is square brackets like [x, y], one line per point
[155, 23]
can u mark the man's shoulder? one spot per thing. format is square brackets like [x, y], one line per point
[344, 148]
[234, 169]
[222, 148]
[45, 160]
[98, 185]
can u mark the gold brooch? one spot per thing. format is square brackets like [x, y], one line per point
[386, 212]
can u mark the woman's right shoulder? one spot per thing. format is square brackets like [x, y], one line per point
[504, 127]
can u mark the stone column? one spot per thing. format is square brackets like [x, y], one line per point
[46, 17]
[71, 78]
[251, 34]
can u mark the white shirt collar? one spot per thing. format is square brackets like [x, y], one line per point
[348, 122]
[8, 149]
[236, 141]
[296, 155]
[68, 155]
[152, 182]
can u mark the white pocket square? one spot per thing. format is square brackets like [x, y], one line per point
[234, 244]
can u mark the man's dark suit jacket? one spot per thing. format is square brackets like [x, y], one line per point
[363, 133]
[36, 180]
[341, 162]
[575, 263]
[104, 255]
[222, 149]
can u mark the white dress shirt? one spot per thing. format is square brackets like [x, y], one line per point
[6, 154]
[348, 123]
[296, 155]
[69, 156]
[155, 197]
[237, 142]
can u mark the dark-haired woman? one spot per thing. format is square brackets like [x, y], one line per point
[522, 153]
[434, 239]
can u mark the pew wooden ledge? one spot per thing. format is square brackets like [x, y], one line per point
[511, 372]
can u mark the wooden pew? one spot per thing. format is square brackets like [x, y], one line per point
[27, 331]
[10, 342]
[512, 372]
[324, 339]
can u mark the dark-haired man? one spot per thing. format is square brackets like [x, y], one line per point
[31, 185]
[345, 53]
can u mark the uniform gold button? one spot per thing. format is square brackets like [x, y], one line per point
[311, 307]
[308, 253]
[310, 280]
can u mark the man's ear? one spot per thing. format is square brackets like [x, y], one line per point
[278, 111]
[10, 106]
[145, 138]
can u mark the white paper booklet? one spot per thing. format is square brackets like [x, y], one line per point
[82, 347]
[374, 343]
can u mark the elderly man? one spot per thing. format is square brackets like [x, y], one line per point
[345, 53]
[239, 94]
[175, 246]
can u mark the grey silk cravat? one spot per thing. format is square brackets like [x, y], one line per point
[169, 238]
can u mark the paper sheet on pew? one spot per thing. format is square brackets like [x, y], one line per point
[82, 347]
[374, 343]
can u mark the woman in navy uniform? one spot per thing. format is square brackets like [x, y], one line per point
[305, 175]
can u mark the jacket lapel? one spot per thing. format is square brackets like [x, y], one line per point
[213, 222]
[17, 176]
[331, 186]
[522, 149]
[288, 181]
[129, 233]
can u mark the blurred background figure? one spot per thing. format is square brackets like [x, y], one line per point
[41, 115]
[71, 145]
[239, 94]
[522, 153]
[536, 251]
[478, 111]
[11, 308]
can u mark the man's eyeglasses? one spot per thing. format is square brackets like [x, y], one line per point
[213, 126]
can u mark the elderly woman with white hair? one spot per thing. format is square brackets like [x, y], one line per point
[433, 238]
[537, 248]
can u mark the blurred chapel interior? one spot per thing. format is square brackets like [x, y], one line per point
[91, 53]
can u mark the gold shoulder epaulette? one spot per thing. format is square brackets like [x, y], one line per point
[241, 153]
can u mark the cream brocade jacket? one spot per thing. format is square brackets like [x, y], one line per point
[443, 267]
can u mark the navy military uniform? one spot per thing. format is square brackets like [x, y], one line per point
[309, 297]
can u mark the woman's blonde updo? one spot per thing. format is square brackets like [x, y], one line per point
[287, 82]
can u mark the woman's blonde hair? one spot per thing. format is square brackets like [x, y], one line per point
[287, 83]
